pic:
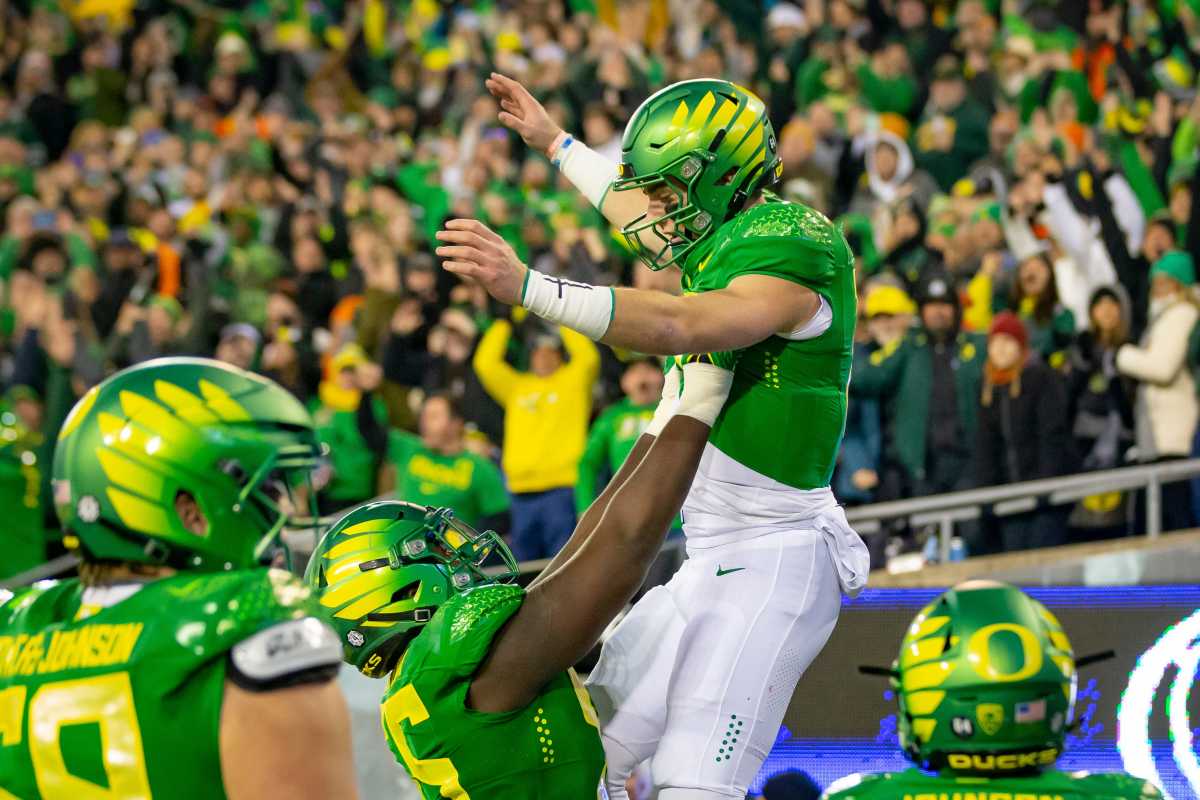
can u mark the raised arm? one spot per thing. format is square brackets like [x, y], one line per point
[584, 356]
[589, 171]
[747, 311]
[497, 375]
[564, 613]
[750, 309]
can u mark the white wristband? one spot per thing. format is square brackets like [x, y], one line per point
[579, 306]
[667, 405]
[705, 389]
[590, 172]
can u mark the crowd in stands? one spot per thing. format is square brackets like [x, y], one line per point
[261, 182]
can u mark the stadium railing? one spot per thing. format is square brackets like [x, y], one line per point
[942, 510]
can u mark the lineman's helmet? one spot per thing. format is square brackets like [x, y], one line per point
[384, 569]
[133, 446]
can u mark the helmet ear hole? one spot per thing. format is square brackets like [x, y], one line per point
[728, 177]
[190, 515]
[407, 592]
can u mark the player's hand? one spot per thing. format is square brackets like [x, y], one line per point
[474, 250]
[522, 113]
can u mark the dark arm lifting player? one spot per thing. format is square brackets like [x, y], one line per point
[597, 572]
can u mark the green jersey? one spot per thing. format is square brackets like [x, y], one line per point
[913, 784]
[116, 692]
[549, 750]
[613, 435]
[785, 389]
[466, 482]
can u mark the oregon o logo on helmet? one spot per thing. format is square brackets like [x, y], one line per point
[979, 652]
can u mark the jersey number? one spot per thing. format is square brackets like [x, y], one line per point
[106, 700]
[406, 706]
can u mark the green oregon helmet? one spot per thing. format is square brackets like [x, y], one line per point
[383, 569]
[711, 143]
[986, 683]
[165, 429]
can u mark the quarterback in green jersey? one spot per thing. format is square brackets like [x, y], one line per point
[176, 667]
[986, 685]
[481, 700]
[770, 551]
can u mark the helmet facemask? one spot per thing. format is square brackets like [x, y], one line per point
[282, 494]
[690, 223]
[471, 557]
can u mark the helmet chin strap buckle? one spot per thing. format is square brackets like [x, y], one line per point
[422, 615]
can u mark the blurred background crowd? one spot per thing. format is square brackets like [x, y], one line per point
[260, 182]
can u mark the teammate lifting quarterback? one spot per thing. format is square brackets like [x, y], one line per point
[697, 677]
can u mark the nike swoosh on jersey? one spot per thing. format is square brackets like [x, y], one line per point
[721, 572]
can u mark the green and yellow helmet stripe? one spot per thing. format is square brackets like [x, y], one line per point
[711, 140]
[382, 570]
[984, 669]
[133, 444]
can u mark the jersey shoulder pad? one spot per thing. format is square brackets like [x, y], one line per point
[784, 219]
[32, 607]
[214, 612]
[751, 244]
[460, 634]
[288, 653]
[1116, 785]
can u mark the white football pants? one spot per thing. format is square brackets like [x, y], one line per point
[698, 675]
